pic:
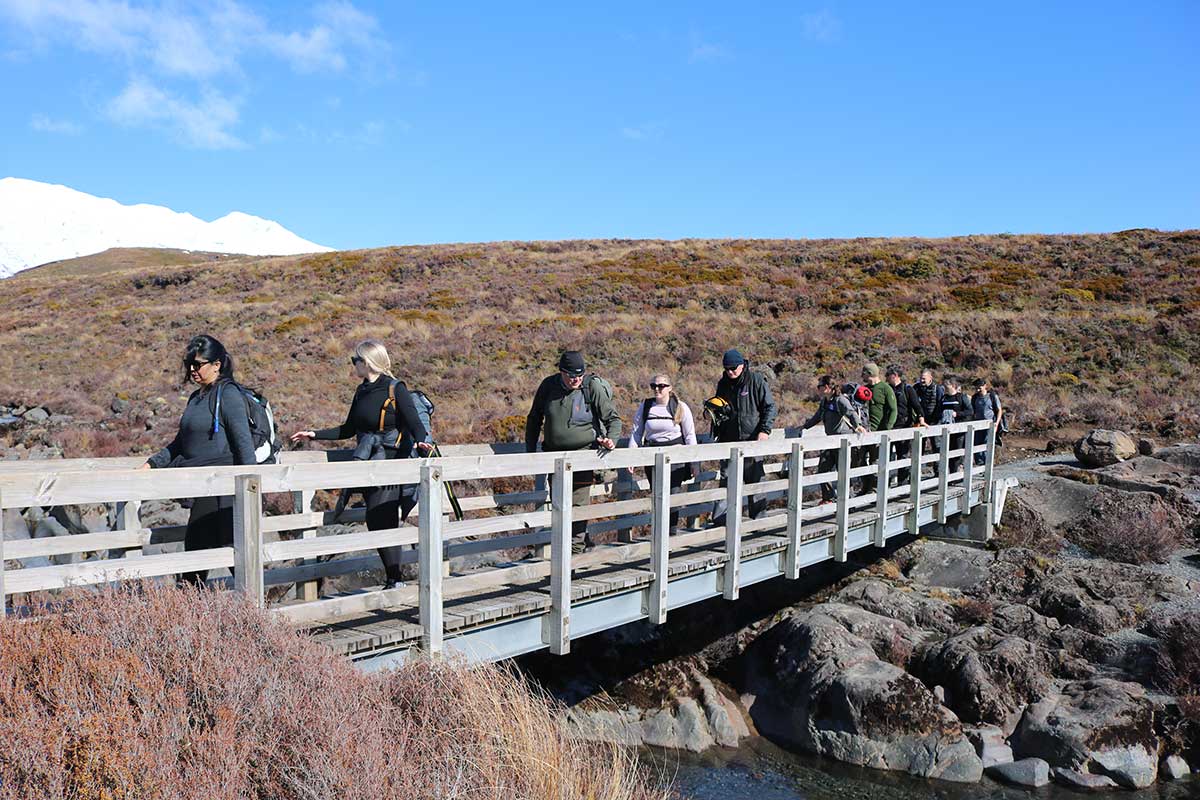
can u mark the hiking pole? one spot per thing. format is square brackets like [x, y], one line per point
[455, 506]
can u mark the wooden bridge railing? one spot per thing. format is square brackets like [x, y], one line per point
[258, 564]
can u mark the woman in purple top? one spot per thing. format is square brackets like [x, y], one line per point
[660, 421]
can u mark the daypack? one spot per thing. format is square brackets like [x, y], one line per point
[421, 402]
[860, 398]
[594, 386]
[261, 419]
[648, 403]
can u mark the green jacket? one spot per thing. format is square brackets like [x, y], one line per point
[569, 419]
[882, 408]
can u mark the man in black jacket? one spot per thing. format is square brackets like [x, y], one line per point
[909, 414]
[749, 396]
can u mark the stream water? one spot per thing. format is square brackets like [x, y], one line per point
[762, 771]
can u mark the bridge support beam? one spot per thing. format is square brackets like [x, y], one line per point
[3, 596]
[247, 538]
[660, 532]
[914, 484]
[556, 630]
[733, 524]
[795, 518]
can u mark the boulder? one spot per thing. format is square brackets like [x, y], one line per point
[36, 415]
[1083, 780]
[1056, 500]
[1174, 768]
[1099, 726]
[1031, 772]
[1101, 448]
[1146, 447]
[119, 405]
[820, 687]
[900, 603]
[991, 745]
[946, 565]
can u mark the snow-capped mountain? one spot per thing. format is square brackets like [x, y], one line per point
[42, 222]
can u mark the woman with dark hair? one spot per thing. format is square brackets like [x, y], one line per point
[211, 433]
[383, 418]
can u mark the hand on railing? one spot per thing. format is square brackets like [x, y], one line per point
[605, 443]
[425, 447]
[303, 436]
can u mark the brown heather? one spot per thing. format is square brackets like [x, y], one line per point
[1076, 330]
[167, 693]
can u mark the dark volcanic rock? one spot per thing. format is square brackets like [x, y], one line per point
[949, 566]
[900, 603]
[1099, 726]
[1101, 448]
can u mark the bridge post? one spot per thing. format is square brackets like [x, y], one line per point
[556, 630]
[733, 524]
[989, 462]
[795, 520]
[914, 484]
[881, 489]
[247, 538]
[302, 504]
[624, 487]
[842, 520]
[542, 551]
[968, 468]
[130, 515]
[943, 476]
[430, 555]
[660, 533]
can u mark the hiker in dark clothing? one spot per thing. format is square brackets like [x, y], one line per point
[984, 405]
[881, 416]
[955, 407]
[385, 422]
[752, 418]
[211, 433]
[838, 416]
[908, 415]
[573, 411]
[929, 393]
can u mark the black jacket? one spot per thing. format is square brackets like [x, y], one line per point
[931, 401]
[954, 408]
[363, 417]
[202, 443]
[754, 408]
[908, 406]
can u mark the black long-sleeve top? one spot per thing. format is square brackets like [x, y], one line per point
[198, 443]
[363, 416]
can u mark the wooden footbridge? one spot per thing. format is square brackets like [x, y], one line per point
[546, 598]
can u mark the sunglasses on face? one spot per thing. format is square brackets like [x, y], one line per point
[194, 366]
[356, 360]
[657, 386]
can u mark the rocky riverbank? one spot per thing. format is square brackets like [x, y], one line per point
[1037, 659]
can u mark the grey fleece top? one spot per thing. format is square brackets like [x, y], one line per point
[197, 444]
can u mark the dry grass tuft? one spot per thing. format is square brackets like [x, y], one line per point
[169, 693]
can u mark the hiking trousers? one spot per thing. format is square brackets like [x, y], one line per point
[210, 524]
[387, 507]
[753, 471]
[581, 495]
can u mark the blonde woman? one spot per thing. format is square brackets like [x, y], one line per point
[385, 422]
[663, 420]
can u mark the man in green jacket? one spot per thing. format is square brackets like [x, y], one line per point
[574, 411]
[881, 412]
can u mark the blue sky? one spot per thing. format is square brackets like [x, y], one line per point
[366, 124]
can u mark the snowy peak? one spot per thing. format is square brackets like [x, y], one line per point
[43, 222]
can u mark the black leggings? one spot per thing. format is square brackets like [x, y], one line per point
[387, 507]
[210, 524]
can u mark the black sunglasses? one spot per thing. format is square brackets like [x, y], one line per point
[193, 364]
[657, 386]
[356, 360]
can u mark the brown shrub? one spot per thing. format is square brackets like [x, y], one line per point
[168, 693]
[970, 611]
[1133, 527]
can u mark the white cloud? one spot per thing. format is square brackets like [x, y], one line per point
[641, 133]
[204, 124]
[44, 124]
[821, 26]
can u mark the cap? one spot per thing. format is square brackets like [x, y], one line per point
[571, 362]
[733, 359]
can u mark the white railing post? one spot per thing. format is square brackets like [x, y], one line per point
[302, 504]
[795, 518]
[430, 555]
[914, 483]
[542, 551]
[943, 476]
[989, 461]
[881, 489]
[968, 468]
[556, 631]
[842, 520]
[3, 594]
[624, 487]
[247, 538]
[131, 523]
[660, 535]
[733, 524]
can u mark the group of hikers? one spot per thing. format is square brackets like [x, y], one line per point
[224, 423]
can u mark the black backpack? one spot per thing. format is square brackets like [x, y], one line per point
[261, 420]
[648, 403]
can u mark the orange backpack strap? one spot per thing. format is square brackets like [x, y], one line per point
[390, 402]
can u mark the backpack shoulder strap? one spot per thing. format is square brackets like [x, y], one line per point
[389, 403]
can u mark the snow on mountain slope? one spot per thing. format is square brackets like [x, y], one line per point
[42, 222]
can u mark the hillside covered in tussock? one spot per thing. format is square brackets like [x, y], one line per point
[1074, 329]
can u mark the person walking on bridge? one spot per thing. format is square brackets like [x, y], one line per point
[572, 410]
[909, 414]
[660, 421]
[838, 416]
[384, 420]
[751, 418]
[881, 416]
[211, 433]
